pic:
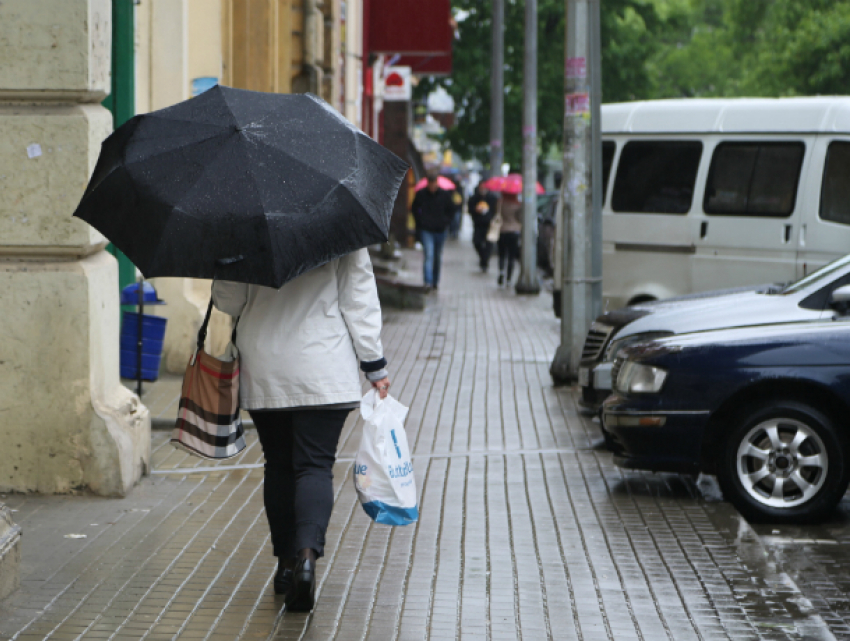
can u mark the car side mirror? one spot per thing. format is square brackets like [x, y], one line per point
[839, 300]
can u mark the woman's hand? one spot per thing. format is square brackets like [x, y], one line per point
[383, 387]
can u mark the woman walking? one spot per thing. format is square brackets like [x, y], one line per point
[299, 347]
[511, 211]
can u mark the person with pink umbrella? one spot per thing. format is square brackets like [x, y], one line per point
[433, 211]
[510, 187]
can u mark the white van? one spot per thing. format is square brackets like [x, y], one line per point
[715, 193]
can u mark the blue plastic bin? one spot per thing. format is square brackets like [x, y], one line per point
[153, 333]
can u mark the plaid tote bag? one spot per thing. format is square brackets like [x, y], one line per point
[209, 423]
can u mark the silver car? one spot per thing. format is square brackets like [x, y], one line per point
[804, 300]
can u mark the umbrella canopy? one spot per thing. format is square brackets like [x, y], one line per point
[510, 184]
[442, 183]
[241, 185]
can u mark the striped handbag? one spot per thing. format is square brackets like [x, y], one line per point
[209, 423]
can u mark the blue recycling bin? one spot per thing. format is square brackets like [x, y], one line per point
[153, 334]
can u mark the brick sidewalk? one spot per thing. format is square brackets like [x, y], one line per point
[527, 531]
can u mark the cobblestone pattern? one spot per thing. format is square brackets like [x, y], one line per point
[527, 530]
[817, 558]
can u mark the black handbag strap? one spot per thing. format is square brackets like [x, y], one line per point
[202, 333]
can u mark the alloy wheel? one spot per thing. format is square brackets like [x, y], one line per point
[782, 463]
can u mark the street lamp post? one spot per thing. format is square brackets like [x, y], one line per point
[528, 283]
[581, 188]
[497, 87]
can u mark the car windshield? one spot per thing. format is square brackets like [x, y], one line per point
[824, 273]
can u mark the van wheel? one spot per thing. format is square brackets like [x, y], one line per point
[784, 462]
[637, 300]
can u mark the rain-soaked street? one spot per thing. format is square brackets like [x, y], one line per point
[527, 530]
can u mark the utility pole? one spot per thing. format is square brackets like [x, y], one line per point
[497, 88]
[581, 189]
[528, 283]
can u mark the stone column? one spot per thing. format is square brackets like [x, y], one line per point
[67, 422]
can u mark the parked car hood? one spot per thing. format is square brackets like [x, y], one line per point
[731, 310]
[795, 344]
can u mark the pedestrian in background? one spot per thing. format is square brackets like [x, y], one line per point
[433, 210]
[299, 348]
[482, 209]
[511, 212]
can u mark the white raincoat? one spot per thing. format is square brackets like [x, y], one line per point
[300, 344]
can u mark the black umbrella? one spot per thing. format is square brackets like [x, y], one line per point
[282, 181]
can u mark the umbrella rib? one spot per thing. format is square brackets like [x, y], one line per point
[172, 150]
[189, 121]
[177, 206]
[297, 160]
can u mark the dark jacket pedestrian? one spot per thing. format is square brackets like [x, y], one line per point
[482, 209]
[433, 210]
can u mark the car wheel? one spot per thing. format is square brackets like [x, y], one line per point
[784, 462]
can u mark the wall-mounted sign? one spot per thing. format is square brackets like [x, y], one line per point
[397, 84]
[200, 85]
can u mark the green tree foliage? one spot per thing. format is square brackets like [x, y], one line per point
[802, 48]
[650, 49]
[752, 48]
[469, 84]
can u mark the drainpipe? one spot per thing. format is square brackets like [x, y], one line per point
[122, 101]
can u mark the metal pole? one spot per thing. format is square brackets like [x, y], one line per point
[596, 158]
[497, 88]
[528, 283]
[139, 344]
[577, 191]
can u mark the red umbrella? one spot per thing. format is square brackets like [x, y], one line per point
[442, 183]
[510, 184]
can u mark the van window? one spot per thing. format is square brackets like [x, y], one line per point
[835, 194]
[608, 149]
[753, 179]
[656, 176]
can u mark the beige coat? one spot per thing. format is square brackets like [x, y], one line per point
[511, 211]
[300, 344]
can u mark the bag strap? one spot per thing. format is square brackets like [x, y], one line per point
[202, 333]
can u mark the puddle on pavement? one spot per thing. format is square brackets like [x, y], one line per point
[766, 572]
[817, 558]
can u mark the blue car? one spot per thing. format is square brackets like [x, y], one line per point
[766, 409]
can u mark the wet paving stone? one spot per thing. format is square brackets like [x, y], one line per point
[527, 530]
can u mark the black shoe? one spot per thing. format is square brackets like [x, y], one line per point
[501, 280]
[301, 596]
[282, 579]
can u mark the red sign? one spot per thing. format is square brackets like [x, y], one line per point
[410, 27]
[436, 65]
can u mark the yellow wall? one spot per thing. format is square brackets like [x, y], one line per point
[284, 46]
[205, 54]
[262, 42]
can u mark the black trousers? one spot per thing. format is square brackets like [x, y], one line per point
[300, 450]
[508, 251]
[483, 246]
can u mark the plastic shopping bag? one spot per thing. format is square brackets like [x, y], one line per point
[383, 471]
